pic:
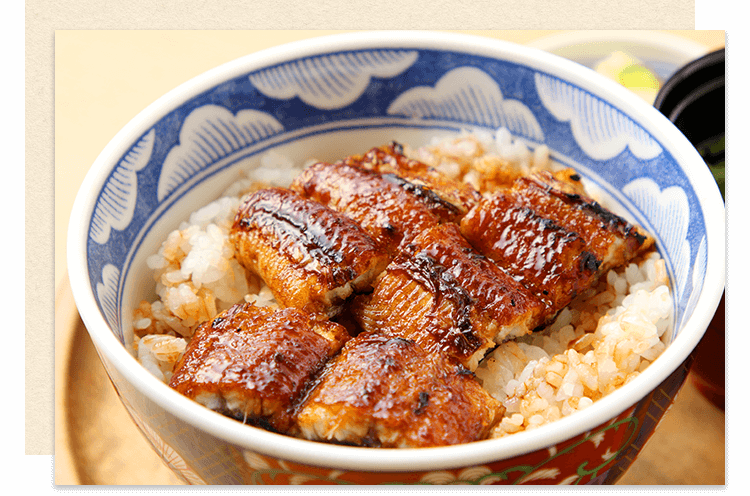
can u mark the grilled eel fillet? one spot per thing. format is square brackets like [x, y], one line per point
[550, 237]
[390, 159]
[392, 209]
[441, 293]
[310, 256]
[252, 363]
[561, 198]
[386, 391]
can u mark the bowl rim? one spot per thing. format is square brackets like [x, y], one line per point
[397, 460]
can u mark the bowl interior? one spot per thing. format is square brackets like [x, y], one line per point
[331, 98]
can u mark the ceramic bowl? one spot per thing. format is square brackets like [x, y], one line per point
[338, 95]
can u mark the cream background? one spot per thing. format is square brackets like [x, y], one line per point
[60, 146]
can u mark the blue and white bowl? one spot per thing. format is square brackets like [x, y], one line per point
[334, 96]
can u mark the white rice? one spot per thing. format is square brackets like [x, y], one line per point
[195, 272]
[604, 339]
[482, 159]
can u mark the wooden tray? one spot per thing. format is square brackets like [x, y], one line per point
[97, 443]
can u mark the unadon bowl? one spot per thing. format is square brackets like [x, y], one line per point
[339, 95]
